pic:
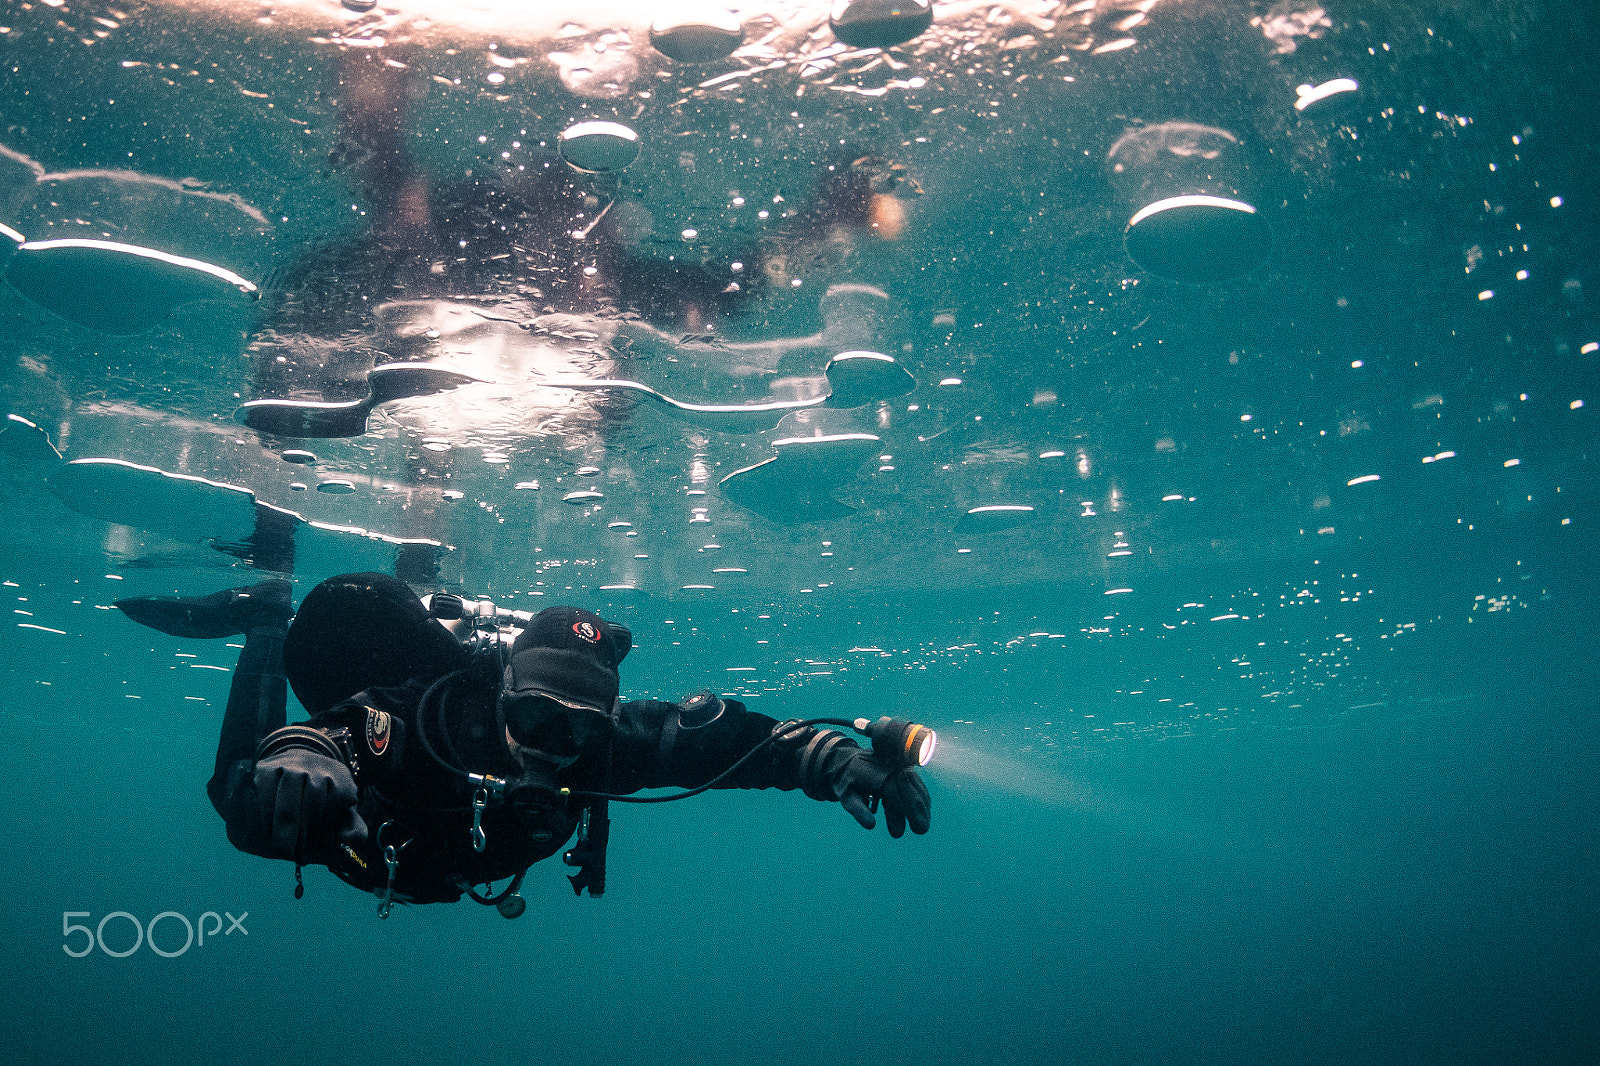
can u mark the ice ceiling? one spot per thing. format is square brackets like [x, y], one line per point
[1079, 295]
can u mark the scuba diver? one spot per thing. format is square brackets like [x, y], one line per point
[434, 763]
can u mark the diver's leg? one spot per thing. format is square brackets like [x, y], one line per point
[258, 694]
[257, 703]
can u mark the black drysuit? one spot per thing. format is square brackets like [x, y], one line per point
[411, 711]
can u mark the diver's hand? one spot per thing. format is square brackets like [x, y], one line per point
[306, 806]
[860, 777]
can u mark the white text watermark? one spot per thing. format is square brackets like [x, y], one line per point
[194, 933]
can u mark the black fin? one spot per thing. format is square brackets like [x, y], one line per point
[221, 614]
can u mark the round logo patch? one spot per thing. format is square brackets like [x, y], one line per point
[377, 731]
[587, 632]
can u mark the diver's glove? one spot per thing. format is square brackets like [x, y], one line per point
[305, 799]
[831, 766]
[905, 797]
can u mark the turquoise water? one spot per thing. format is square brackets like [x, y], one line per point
[1246, 754]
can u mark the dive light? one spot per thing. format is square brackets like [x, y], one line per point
[899, 742]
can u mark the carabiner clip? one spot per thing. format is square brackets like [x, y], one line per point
[391, 859]
[480, 799]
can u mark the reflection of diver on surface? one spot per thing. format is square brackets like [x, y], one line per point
[430, 766]
[535, 267]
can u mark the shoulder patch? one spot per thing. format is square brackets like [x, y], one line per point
[378, 731]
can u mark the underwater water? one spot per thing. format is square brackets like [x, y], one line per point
[1216, 483]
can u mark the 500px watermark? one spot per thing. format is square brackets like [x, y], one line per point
[146, 934]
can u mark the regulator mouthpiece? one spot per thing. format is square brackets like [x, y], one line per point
[899, 742]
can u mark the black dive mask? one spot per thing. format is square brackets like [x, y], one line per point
[559, 692]
[555, 729]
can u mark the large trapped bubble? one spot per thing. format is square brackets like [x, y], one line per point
[1198, 238]
[599, 147]
[230, 519]
[797, 484]
[144, 497]
[1190, 190]
[856, 379]
[696, 33]
[880, 23]
[116, 288]
[326, 420]
[726, 417]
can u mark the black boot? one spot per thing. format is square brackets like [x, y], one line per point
[221, 614]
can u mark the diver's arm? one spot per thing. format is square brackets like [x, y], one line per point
[299, 798]
[686, 745]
